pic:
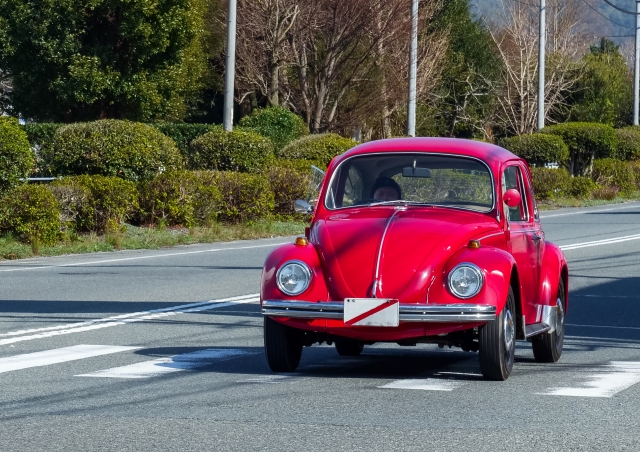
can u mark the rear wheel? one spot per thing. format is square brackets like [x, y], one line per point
[346, 347]
[282, 345]
[497, 343]
[547, 348]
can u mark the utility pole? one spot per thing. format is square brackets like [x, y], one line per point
[541, 58]
[413, 71]
[636, 74]
[230, 72]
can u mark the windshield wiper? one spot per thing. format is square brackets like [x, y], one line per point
[396, 201]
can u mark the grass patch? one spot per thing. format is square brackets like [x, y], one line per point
[133, 238]
[573, 202]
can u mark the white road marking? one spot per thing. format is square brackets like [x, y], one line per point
[600, 242]
[616, 377]
[163, 366]
[425, 384]
[268, 379]
[130, 318]
[588, 211]
[124, 259]
[60, 355]
[605, 326]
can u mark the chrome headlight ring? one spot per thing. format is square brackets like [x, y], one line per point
[293, 277]
[465, 280]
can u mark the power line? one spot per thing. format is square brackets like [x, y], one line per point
[605, 17]
[626, 11]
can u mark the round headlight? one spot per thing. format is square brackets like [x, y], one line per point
[293, 278]
[465, 280]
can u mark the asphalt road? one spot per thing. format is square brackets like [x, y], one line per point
[162, 350]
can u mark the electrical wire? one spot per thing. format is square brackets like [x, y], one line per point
[626, 11]
[610, 20]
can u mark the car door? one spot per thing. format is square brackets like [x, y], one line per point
[524, 237]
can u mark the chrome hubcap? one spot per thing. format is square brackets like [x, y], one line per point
[509, 330]
[559, 315]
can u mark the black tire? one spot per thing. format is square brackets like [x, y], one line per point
[282, 345]
[346, 347]
[497, 343]
[547, 348]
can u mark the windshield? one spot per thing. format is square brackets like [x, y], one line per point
[412, 178]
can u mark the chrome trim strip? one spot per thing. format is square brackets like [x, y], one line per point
[549, 316]
[535, 329]
[453, 313]
[376, 276]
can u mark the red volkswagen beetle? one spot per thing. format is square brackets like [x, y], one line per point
[419, 240]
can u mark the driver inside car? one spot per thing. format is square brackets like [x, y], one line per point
[386, 189]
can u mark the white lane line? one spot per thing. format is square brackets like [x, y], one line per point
[125, 316]
[267, 379]
[124, 259]
[600, 242]
[588, 211]
[425, 384]
[109, 322]
[164, 366]
[605, 326]
[616, 377]
[60, 355]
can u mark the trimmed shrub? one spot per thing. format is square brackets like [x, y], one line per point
[129, 150]
[537, 149]
[303, 166]
[614, 173]
[628, 143]
[635, 168]
[586, 141]
[287, 185]
[244, 197]
[606, 193]
[96, 201]
[240, 150]
[31, 212]
[40, 136]
[183, 134]
[16, 159]
[549, 183]
[279, 124]
[320, 148]
[582, 187]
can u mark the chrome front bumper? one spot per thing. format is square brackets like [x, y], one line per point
[450, 313]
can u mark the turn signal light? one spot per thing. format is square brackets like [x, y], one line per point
[474, 244]
[301, 241]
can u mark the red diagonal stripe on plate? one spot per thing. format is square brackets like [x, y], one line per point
[366, 314]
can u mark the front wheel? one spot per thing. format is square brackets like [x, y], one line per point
[282, 345]
[497, 343]
[547, 348]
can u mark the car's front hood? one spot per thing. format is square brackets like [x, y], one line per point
[398, 247]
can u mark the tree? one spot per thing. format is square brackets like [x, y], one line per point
[516, 37]
[5, 93]
[466, 93]
[605, 90]
[76, 60]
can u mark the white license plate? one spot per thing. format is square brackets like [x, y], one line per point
[371, 312]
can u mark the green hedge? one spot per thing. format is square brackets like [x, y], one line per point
[91, 203]
[129, 150]
[586, 141]
[244, 197]
[319, 148]
[183, 134]
[287, 185]
[41, 134]
[31, 212]
[276, 123]
[537, 149]
[628, 143]
[16, 160]
[581, 187]
[550, 183]
[240, 150]
[614, 173]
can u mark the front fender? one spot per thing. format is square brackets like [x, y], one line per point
[496, 265]
[554, 267]
[317, 290]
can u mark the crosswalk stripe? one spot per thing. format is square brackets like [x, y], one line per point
[612, 379]
[424, 384]
[163, 366]
[59, 355]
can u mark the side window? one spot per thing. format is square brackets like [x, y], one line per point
[512, 178]
[352, 188]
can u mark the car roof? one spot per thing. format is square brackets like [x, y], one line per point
[491, 154]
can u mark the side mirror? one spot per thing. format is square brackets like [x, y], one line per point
[302, 207]
[512, 197]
